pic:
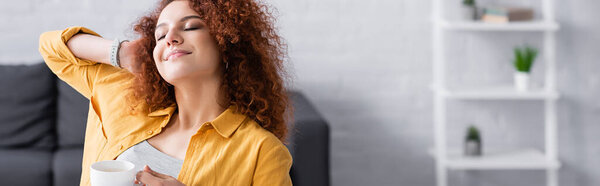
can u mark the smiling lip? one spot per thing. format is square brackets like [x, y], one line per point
[177, 53]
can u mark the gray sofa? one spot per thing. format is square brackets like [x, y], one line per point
[42, 124]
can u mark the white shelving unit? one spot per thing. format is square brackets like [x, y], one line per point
[451, 159]
[511, 26]
[498, 93]
[498, 160]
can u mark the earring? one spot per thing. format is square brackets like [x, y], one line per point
[226, 65]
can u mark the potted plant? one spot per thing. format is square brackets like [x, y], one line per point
[473, 142]
[524, 58]
[468, 10]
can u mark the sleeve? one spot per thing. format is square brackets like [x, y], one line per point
[273, 166]
[78, 73]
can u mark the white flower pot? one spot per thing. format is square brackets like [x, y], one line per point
[521, 81]
[472, 148]
[467, 13]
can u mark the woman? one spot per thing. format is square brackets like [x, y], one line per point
[197, 100]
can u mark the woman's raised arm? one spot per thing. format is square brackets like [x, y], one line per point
[75, 54]
[94, 48]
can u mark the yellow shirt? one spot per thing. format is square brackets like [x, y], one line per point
[230, 150]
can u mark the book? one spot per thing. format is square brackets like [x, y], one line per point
[506, 14]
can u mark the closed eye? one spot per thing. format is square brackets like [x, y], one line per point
[186, 29]
[191, 28]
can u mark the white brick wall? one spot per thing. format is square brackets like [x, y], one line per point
[23, 22]
[366, 65]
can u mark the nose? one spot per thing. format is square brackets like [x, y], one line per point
[173, 38]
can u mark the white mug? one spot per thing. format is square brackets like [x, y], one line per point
[112, 173]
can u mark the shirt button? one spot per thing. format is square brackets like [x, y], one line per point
[150, 132]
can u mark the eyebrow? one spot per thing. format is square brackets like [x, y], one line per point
[181, 20]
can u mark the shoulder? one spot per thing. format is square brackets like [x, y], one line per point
[261, 138]
[252, 130]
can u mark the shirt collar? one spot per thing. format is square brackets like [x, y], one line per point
[165, 111]
[225, 124]
[228, 122]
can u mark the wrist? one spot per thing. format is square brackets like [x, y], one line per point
[122, 53]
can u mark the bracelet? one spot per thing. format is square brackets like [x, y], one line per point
[114, 52]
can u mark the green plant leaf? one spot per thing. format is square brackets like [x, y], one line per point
[473, 134]
[518, 59]
[469, 2]
[524, 58]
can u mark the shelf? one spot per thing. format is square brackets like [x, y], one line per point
[529, 159]
[510, 26]
[519, 159]
[498, 93]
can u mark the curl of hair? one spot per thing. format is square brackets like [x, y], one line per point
[249, 45]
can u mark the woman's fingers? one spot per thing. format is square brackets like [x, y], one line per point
[148, 179]
[154, 173]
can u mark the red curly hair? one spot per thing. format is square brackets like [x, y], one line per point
[249, 45]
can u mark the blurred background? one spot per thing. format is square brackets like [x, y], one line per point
[368, 67]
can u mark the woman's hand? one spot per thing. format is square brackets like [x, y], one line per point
[127, 55]
[150, 177]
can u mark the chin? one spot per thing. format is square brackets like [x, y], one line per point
[173, 78]
[178, 71]
[172, 75]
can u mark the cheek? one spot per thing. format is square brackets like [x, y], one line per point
[157, 58]
[210, 49]
[155, 54]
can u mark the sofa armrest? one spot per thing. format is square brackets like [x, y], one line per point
[309, 144]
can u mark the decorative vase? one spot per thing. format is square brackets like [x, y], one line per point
[472, 148]
[472, 142]
[521, 81]
[467, 13]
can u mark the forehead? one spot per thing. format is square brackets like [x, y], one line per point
[175, 11]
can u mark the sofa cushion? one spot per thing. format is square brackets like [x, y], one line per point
[66, 166]
[72, 111]
[24, 167]
[27, 104]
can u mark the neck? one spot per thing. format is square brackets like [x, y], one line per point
[197, 103]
